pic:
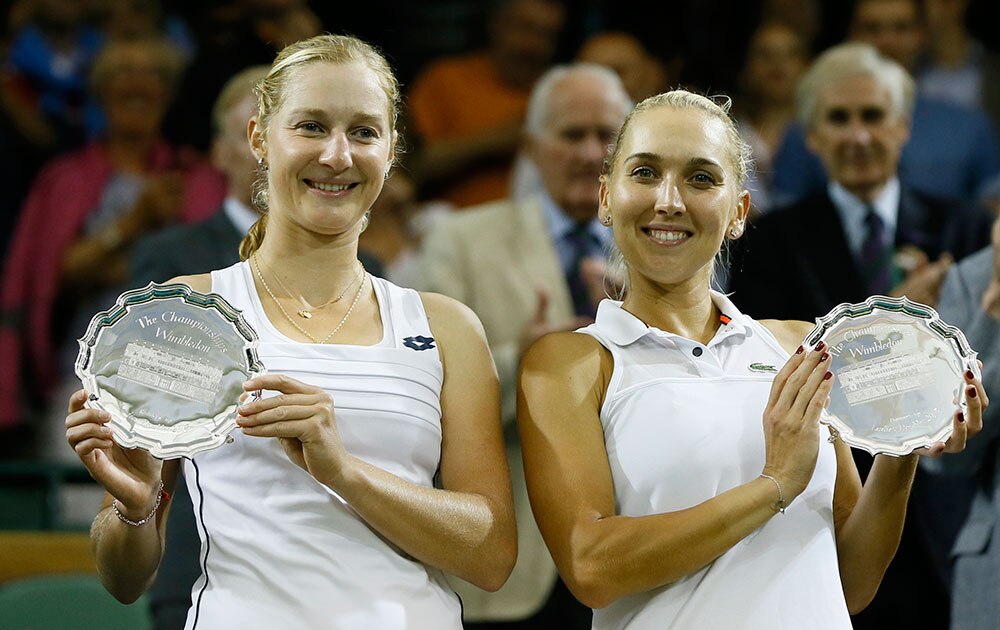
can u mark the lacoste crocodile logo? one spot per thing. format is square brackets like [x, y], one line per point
[762, 367]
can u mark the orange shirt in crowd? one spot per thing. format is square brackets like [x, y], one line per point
[459, 96]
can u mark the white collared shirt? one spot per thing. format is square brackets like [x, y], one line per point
[683, 423]
[241, 216]
[853, 211]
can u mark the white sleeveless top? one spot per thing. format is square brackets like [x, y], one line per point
[682, 424]
[279, 549]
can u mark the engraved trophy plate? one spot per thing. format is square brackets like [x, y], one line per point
[899, 374]
[168, 363]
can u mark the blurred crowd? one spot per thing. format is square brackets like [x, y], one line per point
[115, 126]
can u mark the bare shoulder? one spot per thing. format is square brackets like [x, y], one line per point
[573, 358]
[448, 316]
[201, 282]
[789, 333]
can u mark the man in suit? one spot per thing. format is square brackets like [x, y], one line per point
[970, 299]
[953, 150]
[527, 267]
[867, 233]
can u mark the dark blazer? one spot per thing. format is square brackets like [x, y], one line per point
[794, 263]
[186, 250]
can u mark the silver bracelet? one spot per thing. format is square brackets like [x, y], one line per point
[781, 497]
[148, 517]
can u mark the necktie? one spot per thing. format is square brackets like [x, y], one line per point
[876, 257]
[580, 244]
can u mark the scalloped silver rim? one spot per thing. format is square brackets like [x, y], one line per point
[826, 323]
[126, 438]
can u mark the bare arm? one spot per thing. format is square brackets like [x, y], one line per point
[127, 557]
[467, 528]
[603, 556]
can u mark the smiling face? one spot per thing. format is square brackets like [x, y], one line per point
[857, 134]
[327, 147]
[673, 194]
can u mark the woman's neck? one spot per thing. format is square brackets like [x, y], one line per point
[684, 309]
[312, 267]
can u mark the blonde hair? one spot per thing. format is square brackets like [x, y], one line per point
[740, 155]
[272, 88]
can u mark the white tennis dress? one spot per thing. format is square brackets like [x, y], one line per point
[682, 424]
[280, 551]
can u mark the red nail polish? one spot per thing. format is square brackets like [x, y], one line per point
[961, 417]
[828, 376]
[799, 351]
[820, 346]
[825, 356]
[971, 392]
[969, 375]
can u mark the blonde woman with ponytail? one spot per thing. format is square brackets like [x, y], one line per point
[672, 449]
[323, 512]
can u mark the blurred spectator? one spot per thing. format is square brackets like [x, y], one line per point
[970, 299]
[137, 19]
[232, 35]
[529, 267]
[69, 253]
[803, 17]
[44, 80]
[956, 67]
[867, 233]
[394, 231]
[642, 74]
[466, 112]
[775, 60]
[952, 152]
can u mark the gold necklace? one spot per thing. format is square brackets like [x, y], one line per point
[306, 313]
[357, 296]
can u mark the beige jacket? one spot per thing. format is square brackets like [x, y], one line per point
[494, 258]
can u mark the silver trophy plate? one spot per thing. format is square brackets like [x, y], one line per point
[899, 374]
[168, 363]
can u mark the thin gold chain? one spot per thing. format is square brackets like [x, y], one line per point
[357, 296]
[306, 313]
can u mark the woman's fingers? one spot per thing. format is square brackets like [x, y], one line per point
[778, 384]
[77, 400]
[280, 383]
[797, 383]
[283, 414]
[88, 445]
[281, 400]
